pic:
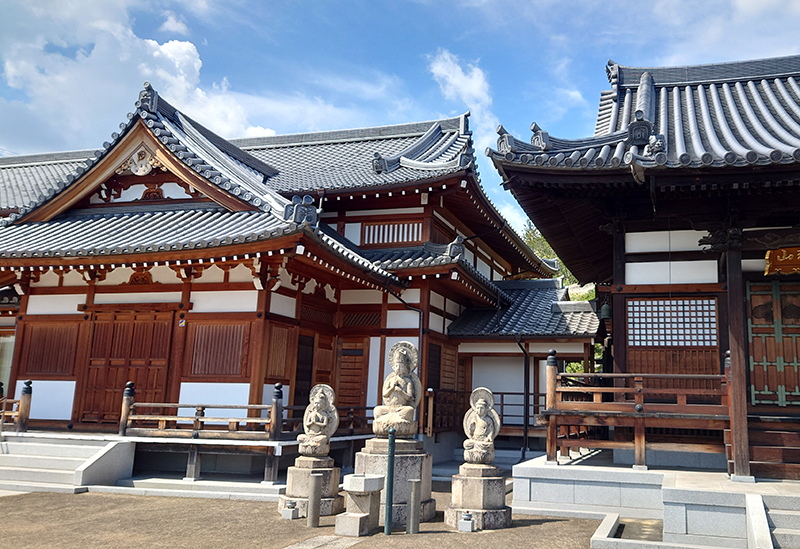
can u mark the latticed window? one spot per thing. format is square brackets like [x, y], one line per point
[674, 322]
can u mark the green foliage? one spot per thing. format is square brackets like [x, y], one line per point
[538, 244]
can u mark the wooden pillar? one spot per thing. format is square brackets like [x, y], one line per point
[550, 404]
[738, 360]
[24, 407]
[618, 301]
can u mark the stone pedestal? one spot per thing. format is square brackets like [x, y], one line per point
[363, 500]
[410, 462]
[298, 486]
[481, 490]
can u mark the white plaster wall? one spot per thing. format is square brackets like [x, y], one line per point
[240, 273]
[410, 295]
[216, 393]
[496, 275]
[283, 305]
[484, 268]
[437, 300]
[387, 211]
[211, 275]
[663, 241]
[452, 307]
[120, 275]
[489, 348]
[361, 297]
[374, 383]
[436, 322]
[245, 301]
[754, 265]
[164, 275]
[48, 279]
[8, 321]
[352, 232]
[50, 399]
[173, 190]
[675, 272]
[74, 278]
[402, 319]
[561, 348]
[58, 304]
[143, 297]
[469, 256]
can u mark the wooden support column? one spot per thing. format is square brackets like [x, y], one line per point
[193, 463]
[550, 404]
[618, 301]
[738, 360]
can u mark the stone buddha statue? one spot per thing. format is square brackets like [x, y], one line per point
[402, 392]
[320, 421]
[481, 425]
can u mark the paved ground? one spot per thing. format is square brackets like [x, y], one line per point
[105, 520]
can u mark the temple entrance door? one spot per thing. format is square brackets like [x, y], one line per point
[353, 372]
[126, 346]
[774, 335]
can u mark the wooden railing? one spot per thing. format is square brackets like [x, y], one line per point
[16, 412]
[633, 402]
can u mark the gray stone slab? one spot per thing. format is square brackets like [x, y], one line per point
[674, 518]
[606, 494]
[703, 497]
[707, 541]
[522, 488]
[552, 491]
[645, 496]
[706, 520]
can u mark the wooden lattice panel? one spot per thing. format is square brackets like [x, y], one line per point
[675, 322]
[398, 232]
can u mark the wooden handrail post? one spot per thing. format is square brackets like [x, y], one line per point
[429, 410]
[199, 411]
[127, 403]
[552, 422]
[24, 406]
[276, 413]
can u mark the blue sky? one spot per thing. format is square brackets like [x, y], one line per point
[72, 69]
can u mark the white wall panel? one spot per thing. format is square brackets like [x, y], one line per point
[120, 275]
[74, 278]
[436, 322]
[410, 295]
[437, 300]
[50, 399]
[352, 232]
[245, 301]
[754, 265]
[266, 398]
[452, 307]
[387, 211]
[61, 304]
[141, 297]
[484, 268]
[48, 279]
[361, 297]
[663, 241]
[217, 393]
[283, 305]
[374, 383]
[675, 272]
[489, 348]
[402, 319]
[164, 275]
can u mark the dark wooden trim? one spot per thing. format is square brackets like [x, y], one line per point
[645, 257]
[673, 289]
[738, 373]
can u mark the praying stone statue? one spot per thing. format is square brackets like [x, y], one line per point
[402, 392]
[481, 425]
[320, 421]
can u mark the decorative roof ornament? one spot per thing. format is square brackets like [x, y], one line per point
[379, 164]
[140, 163]
[301, 210]
[456, 247]
[540, 138]
[148, 98]
[612, 72]
[506, 144]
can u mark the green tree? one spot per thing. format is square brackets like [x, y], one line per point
[533, 238]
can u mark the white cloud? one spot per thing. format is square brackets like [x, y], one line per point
[471, 88]
[174, 23]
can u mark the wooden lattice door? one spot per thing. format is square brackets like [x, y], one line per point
[774, 329]
[353, 372]
[126, 346]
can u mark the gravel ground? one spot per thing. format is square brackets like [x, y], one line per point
[117, 521]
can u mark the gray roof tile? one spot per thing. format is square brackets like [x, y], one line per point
[537, 309]
[725, 114]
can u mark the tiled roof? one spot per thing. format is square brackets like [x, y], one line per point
[430, 254]
[29, 179]
[8, 298]
[725, 114]
[363, 158]
[537, 309]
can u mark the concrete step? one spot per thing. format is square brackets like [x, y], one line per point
[781, 503]
[41, 462]
[37, 448]
[784, 519]
[218, 486]
[30, 486]
[33, 474]
[786, 539]
[208, 494]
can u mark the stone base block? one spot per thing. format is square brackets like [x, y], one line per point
[488, 519]
[298, 478]
[353, 525]
[401, 446]
[474, 492]
[400, 513]
[327, 506]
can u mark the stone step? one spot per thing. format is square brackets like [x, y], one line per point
[57, 438]
[37, 448]
[41, 462]
[208, 494]
[218, 486]
[785, 538]
[781, 503]
[784, 519]
[30, 486]
[33, 474]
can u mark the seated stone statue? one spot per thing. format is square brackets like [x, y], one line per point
[320, 421]
[402, 392]
[481, 425]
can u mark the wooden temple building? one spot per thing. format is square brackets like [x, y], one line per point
[207, 270]
[685, 207]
